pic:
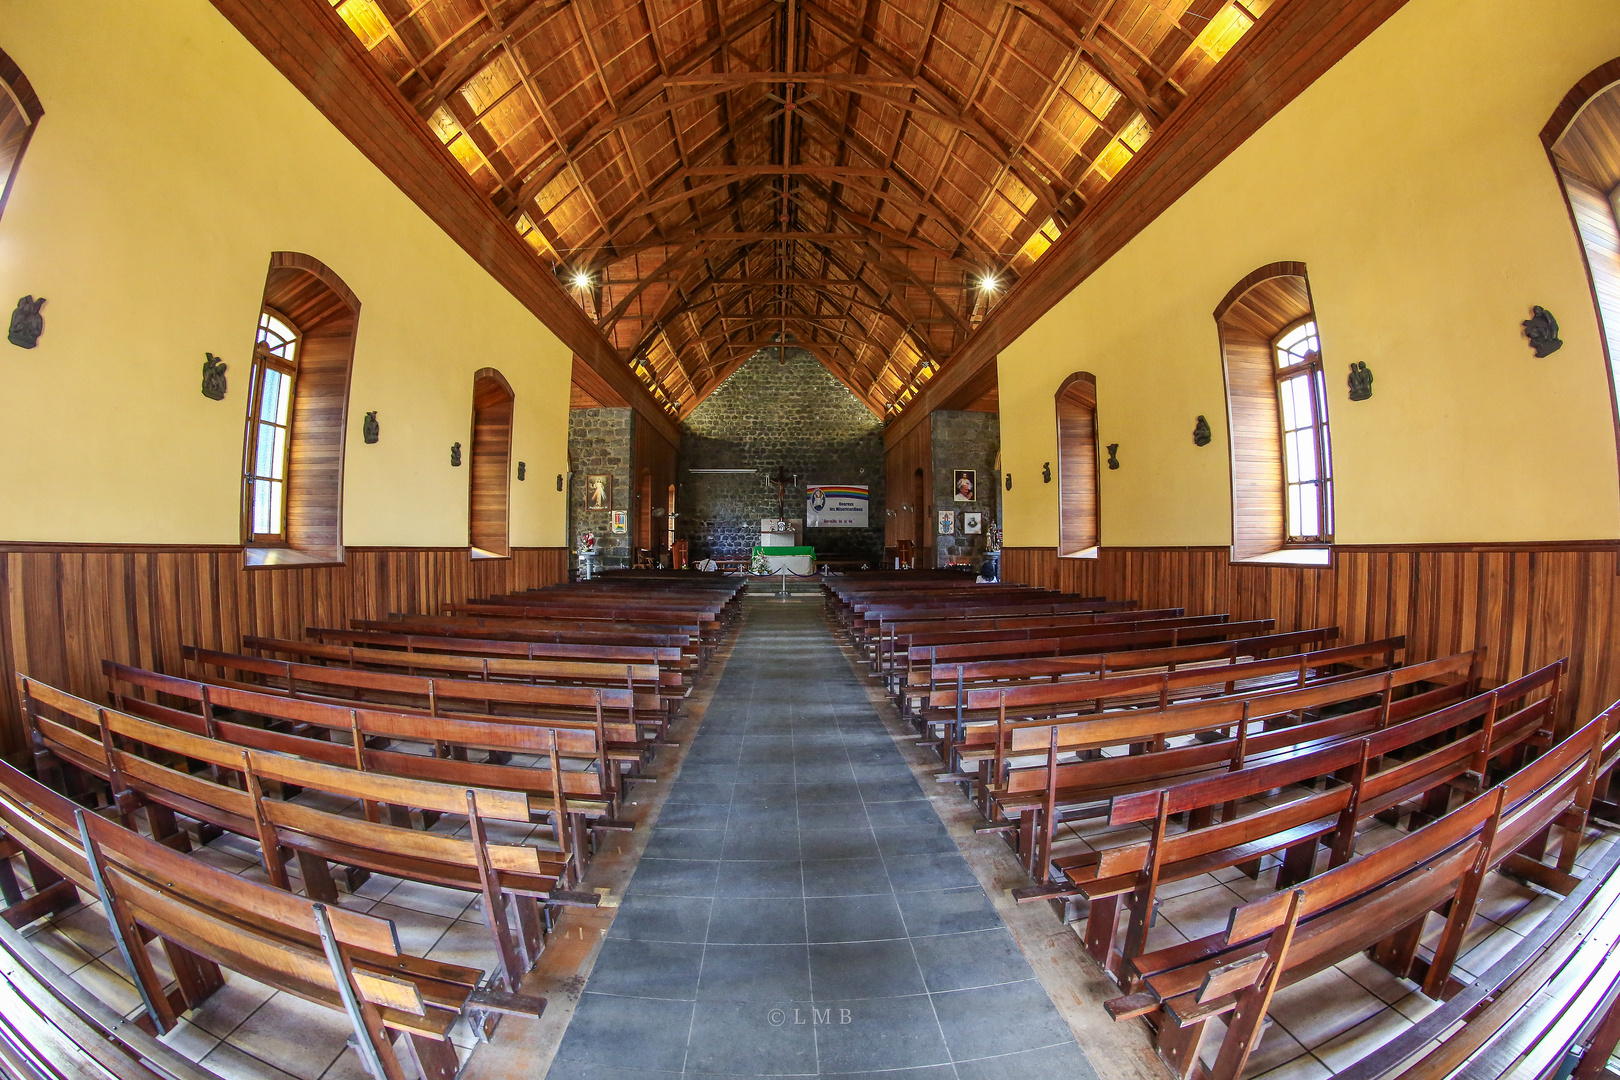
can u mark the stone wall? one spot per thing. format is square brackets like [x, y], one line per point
[600, 441]
[768, 414]
[965, 440]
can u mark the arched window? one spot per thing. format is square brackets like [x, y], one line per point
[489, 497]
[297, 417]
[1079, 519]
[1276, 400]
[275, 375]
[1583, 139]
[20, 111]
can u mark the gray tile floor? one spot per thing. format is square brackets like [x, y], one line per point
[800, 910]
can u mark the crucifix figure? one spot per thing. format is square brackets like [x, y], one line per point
[781, 480]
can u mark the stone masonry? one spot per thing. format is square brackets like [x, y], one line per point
[965, 440]
[600, 441]
[770, 414]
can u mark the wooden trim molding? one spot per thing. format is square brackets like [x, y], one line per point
[1591, 211]
[489, 467]
[1293, 44]
[17, 97]
[1524, 604]
[1590, 86]
[66, 607]
[326, 313]
[1255, 277]
[309, 44]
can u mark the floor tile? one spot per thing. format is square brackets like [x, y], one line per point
[854, 918]
[747, 1038]
[995, 1020]
[879, 1034]
[866, 969]
[1323, 1006]
[978, 958]
[628, 1033]
[652, 969]
[675, 877]
[755, 973]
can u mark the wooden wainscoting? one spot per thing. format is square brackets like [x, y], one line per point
[63, 608]
[1525, 605]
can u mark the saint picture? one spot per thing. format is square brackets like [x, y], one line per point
[599, 491]
[963, 490]
[972, 524]
[947, 522]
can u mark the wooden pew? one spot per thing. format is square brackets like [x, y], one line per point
[575, 800]
[51, 1028]
[959, 709]
[1539, 1005]
[434, 696]
[509, 878]
[1379, 901]
[566, 634]
[671, 669]
[1121, 882]
[401, 1007]
[1042, 795]
[893, 643]
[1035, 642]
[631, 676]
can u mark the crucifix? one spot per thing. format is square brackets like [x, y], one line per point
[781, 480]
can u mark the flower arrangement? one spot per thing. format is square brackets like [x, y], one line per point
[587, 543]
[759, 565]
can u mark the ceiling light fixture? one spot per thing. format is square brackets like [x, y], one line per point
[988, 283]
[582, 280]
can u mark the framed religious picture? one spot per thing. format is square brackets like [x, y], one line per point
[621, 520]
[599, 491]
[972, 524]
[947, 522]
[962, 490]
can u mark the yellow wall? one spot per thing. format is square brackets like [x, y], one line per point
[171, 161]
[1411, 181]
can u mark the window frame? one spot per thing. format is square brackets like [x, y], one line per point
[264, 360]
[1603, 278]
[1258, 311]
[1321, 434]
[1079, 392]
[17, 93]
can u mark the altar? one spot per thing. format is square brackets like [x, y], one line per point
[795, 560]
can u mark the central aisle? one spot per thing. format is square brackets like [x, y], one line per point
[800, 909]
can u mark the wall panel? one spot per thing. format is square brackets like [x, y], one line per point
[1526, 606]
[63, 609]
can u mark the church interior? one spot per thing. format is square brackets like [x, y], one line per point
[878, 539]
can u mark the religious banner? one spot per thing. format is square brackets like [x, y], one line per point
[835, 506]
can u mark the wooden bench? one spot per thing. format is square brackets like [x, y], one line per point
[641, 709]
[1121, 882]
[1041, 795]
[51, 1028]
[671, 668]
[956, 710]
[959, 675]
[575, 800]
[1379, 901]
[509, 878]
[566, 635]
[644, 677]
[401, 1007]
[1035, 642]
[890, 650]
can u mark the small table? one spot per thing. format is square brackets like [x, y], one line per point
[589, 563]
